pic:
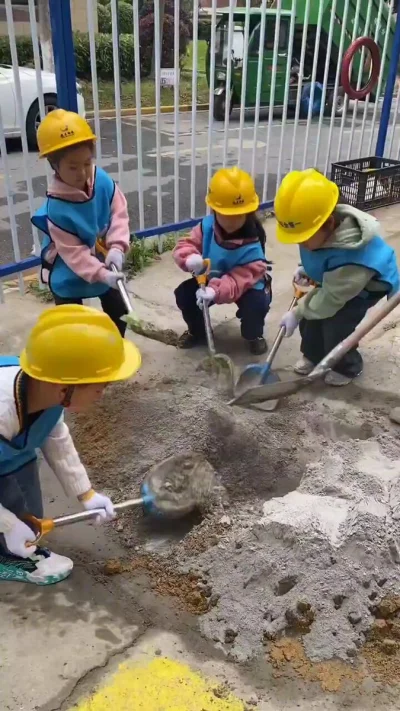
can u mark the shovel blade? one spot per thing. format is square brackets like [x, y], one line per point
[270, 391]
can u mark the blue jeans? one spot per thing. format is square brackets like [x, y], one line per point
[21, 494]
[253, 307]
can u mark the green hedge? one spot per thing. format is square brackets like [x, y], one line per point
[104, 55]
[104, 50]
[24, 47]
[125, 18]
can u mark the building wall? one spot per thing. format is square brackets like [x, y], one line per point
[21, 17]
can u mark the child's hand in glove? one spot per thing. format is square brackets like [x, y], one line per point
[195, 264]
[289, 322]
[205, 295]
[116, 257]
[94, 500]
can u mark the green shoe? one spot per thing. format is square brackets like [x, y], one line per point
[43, 568]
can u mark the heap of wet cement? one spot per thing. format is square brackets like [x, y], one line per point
[318, 561]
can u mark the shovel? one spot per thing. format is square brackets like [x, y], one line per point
[278, 390]
[171, 489]
[260, 373]
[219, 361]
[130, 317]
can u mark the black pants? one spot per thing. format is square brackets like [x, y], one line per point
[112, 305]
[253, 307]
[320, 336]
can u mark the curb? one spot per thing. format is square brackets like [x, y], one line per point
[147, 111]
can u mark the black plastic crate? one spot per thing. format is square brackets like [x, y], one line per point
[368, 183]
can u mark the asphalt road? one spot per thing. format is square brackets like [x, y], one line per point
[266, 161]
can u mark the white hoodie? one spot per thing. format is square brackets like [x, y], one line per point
[58, 449]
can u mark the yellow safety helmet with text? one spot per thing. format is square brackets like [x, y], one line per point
[303, 203]
[62, 129]
[232, 192]
[78, 345]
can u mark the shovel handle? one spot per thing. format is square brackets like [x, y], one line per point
[123, 291]
[203, 278]
[353, 340]
[42, 526]
[281, 333]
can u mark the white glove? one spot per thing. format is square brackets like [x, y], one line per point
[290, 322]
[115, 256]
[100, 501]
[111, 279]
[195, 263]
[18, 537]
[300, 277]
[205, 295]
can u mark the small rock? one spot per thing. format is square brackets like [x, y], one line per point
[158, 652]
[252, 700]
[354, 618]
[303, 606]
[230, 635]
[214, 599]
[351, 652]
[338, 601]
[225, 521]
[389, 646]
[207, 590]
[394, 415]
[238, 545]
[119, 527]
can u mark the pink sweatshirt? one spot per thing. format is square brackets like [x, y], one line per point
[74, 253]
[230, 287]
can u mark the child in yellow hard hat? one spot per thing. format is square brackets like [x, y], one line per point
[84, 219]
[233, 239]
[341, 250]
[71, 354]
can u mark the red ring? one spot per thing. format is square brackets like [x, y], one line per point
[369, 43]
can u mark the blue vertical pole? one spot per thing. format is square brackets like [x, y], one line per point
[64, 55]
[390, 84]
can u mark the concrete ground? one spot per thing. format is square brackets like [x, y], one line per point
[357, 138]
[61, 646]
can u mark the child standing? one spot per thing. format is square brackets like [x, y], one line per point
[233, 239]
[84, 219]
[342, 251]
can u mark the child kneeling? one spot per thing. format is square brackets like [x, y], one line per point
[341, 251]
[233, 239]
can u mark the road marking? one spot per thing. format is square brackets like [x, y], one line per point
[161, 685]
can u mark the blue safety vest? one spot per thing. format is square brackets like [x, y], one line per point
[86, 220]
[16, 453]
[376, 255]
[223, 260]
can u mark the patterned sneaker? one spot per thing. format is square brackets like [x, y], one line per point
[337, 380]
[258, 346]
[43, 568]
[188, 340]
[303, 366]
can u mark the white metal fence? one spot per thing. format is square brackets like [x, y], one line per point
[258, 115]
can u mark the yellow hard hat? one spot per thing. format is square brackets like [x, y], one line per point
[303, 203]
[78, 345]
[61, 129]
[232, 192]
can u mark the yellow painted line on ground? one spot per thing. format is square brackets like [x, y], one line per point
[160, 685]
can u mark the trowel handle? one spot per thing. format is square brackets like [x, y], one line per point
[353, 340]
[123, 291]
[43, 526]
